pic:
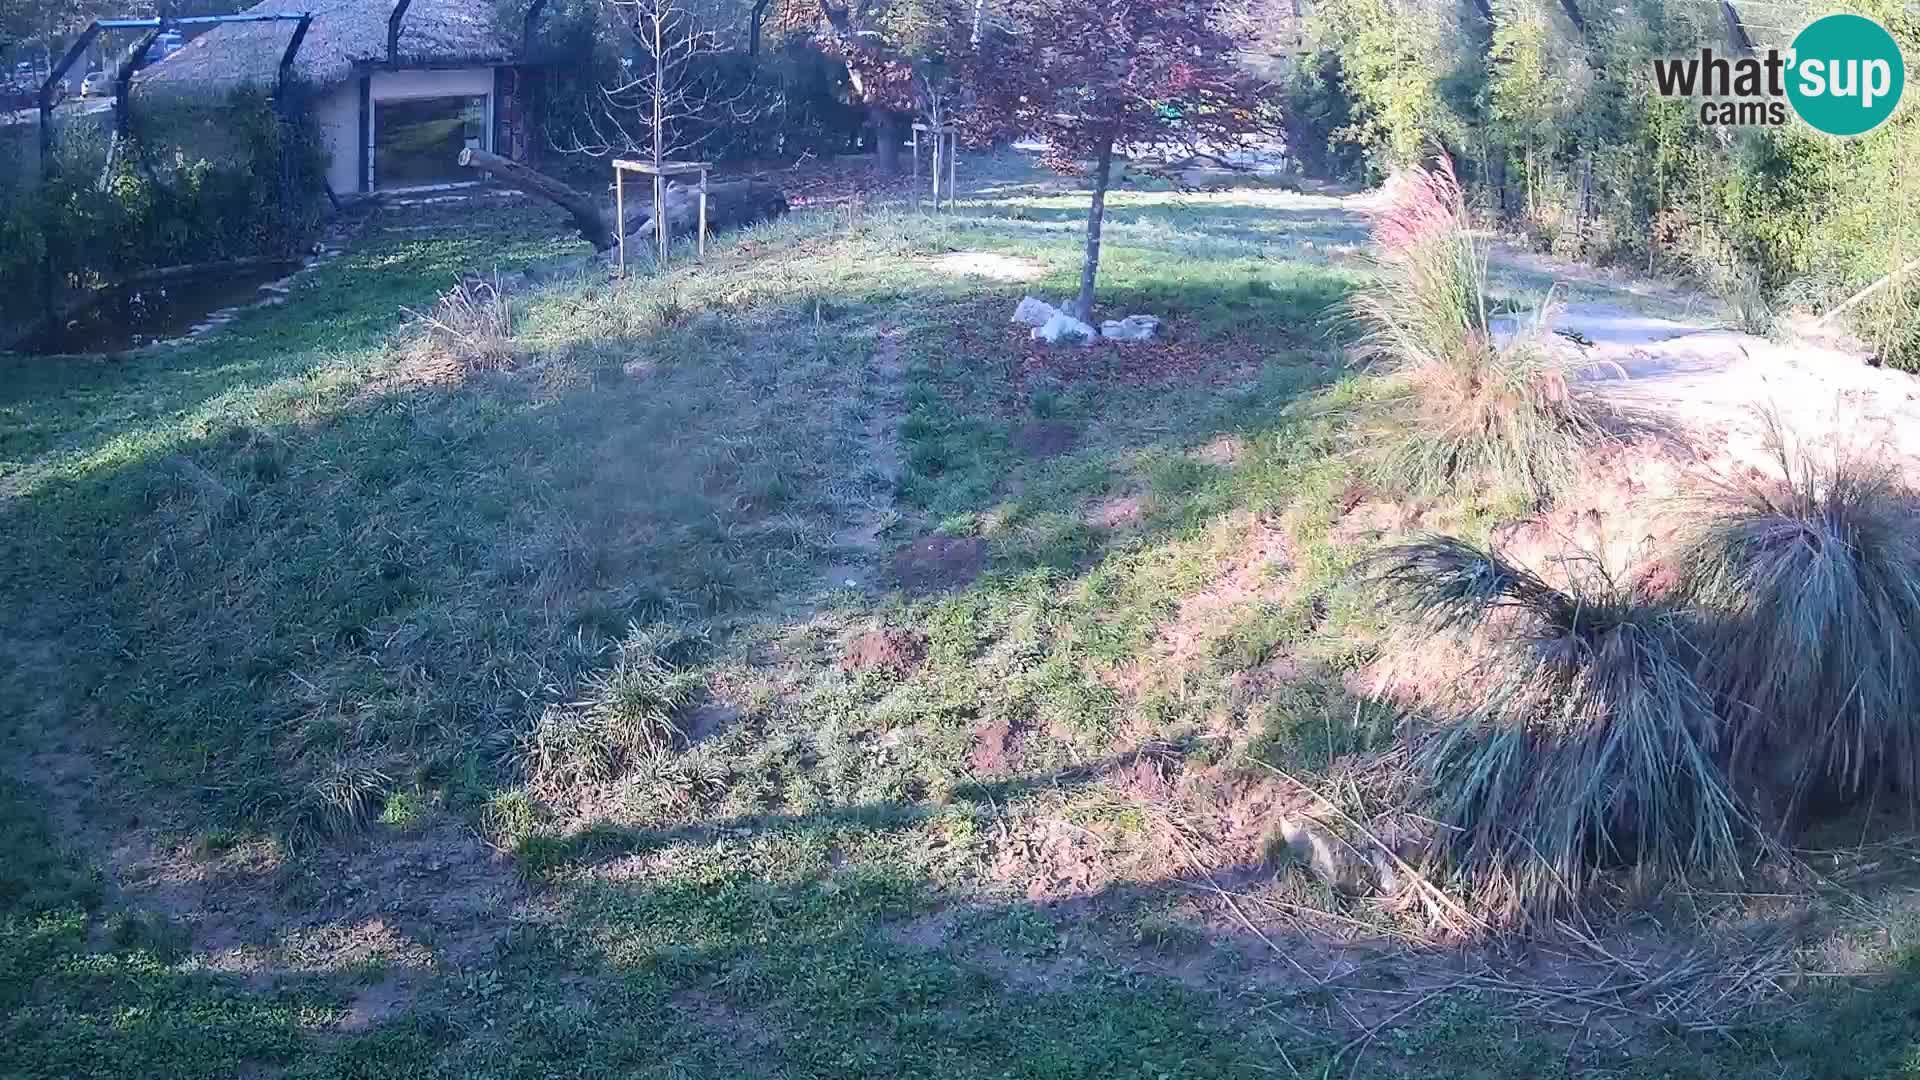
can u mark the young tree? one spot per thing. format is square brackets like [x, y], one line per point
[1096, 77]
[674, 91]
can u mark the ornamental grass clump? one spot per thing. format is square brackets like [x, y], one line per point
[1470, 400]
[1586, 742]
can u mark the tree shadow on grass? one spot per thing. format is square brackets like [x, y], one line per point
[1200, 222]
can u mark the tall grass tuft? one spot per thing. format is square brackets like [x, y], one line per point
[1471, 402]
[628, 717]
[1588, 744]
[1811, 584]
[470, 328]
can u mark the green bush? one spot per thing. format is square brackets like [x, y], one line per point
[190, 183]
[1558, 127]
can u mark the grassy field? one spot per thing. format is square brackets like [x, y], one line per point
[775, 667]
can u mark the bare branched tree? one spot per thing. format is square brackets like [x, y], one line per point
[673, 93]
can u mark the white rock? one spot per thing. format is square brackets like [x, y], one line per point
[1063, 325]
[1131, 328]
[1034, 311]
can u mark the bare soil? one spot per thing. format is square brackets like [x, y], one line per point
[938, 563]
[1045, 438]
[894, 651]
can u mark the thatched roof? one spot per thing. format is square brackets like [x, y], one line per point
[344, 33]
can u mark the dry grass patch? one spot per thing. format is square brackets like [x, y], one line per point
[470, 328]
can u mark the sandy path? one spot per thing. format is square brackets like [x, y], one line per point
[1711, 385]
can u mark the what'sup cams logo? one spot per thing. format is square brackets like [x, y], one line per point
[1843, 75]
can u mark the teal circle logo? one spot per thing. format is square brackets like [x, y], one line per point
[1846, 75]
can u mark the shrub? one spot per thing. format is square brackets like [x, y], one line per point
[191, 183]
[340, 801]
[1588, 742]
[1470, 403]
[1813, 582]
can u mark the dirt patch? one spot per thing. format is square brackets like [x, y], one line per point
[1223, 451]
[981, 330]
[708, 720]
[1117, 512]
[880, 453]
[891, 650]
[997, 749]
[434, 895]
[374, 1004]
[1046, 975]
[715, 1013]
[1045, 438]
[1283, 670]
[1365, 520]
[927, 933]
[936, 563]
[441, 889]
[1145, 363]
[1256, 569]
[988, 264]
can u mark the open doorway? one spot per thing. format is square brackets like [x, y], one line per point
[417, 142]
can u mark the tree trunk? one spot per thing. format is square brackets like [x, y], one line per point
[594, 223]
[754, 22]
[731, 204]
[886, 142]
[1736, 29]
[1102, 171]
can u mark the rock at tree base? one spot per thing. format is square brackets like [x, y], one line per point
[1034, 311]
[1131, 328]
[1063, 325]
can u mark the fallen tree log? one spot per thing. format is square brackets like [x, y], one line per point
[594, 222]
[731, 204]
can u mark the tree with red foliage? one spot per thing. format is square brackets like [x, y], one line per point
[892, 49]
[1097, 76]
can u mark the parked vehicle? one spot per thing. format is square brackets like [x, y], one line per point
[96, 82]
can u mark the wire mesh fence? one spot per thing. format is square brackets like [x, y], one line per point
[165, 181]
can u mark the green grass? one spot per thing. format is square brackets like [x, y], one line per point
[311, 599]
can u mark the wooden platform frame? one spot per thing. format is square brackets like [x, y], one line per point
[659, 173]
[949, 136]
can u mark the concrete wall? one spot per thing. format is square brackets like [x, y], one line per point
[339, 111]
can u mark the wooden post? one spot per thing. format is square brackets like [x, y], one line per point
[662, 234]
[913, 144]
[703, 214]
[953, 159]
[660, 216]
[620, 214]
[936, 168]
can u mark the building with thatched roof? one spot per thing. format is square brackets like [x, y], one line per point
[399, 87]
